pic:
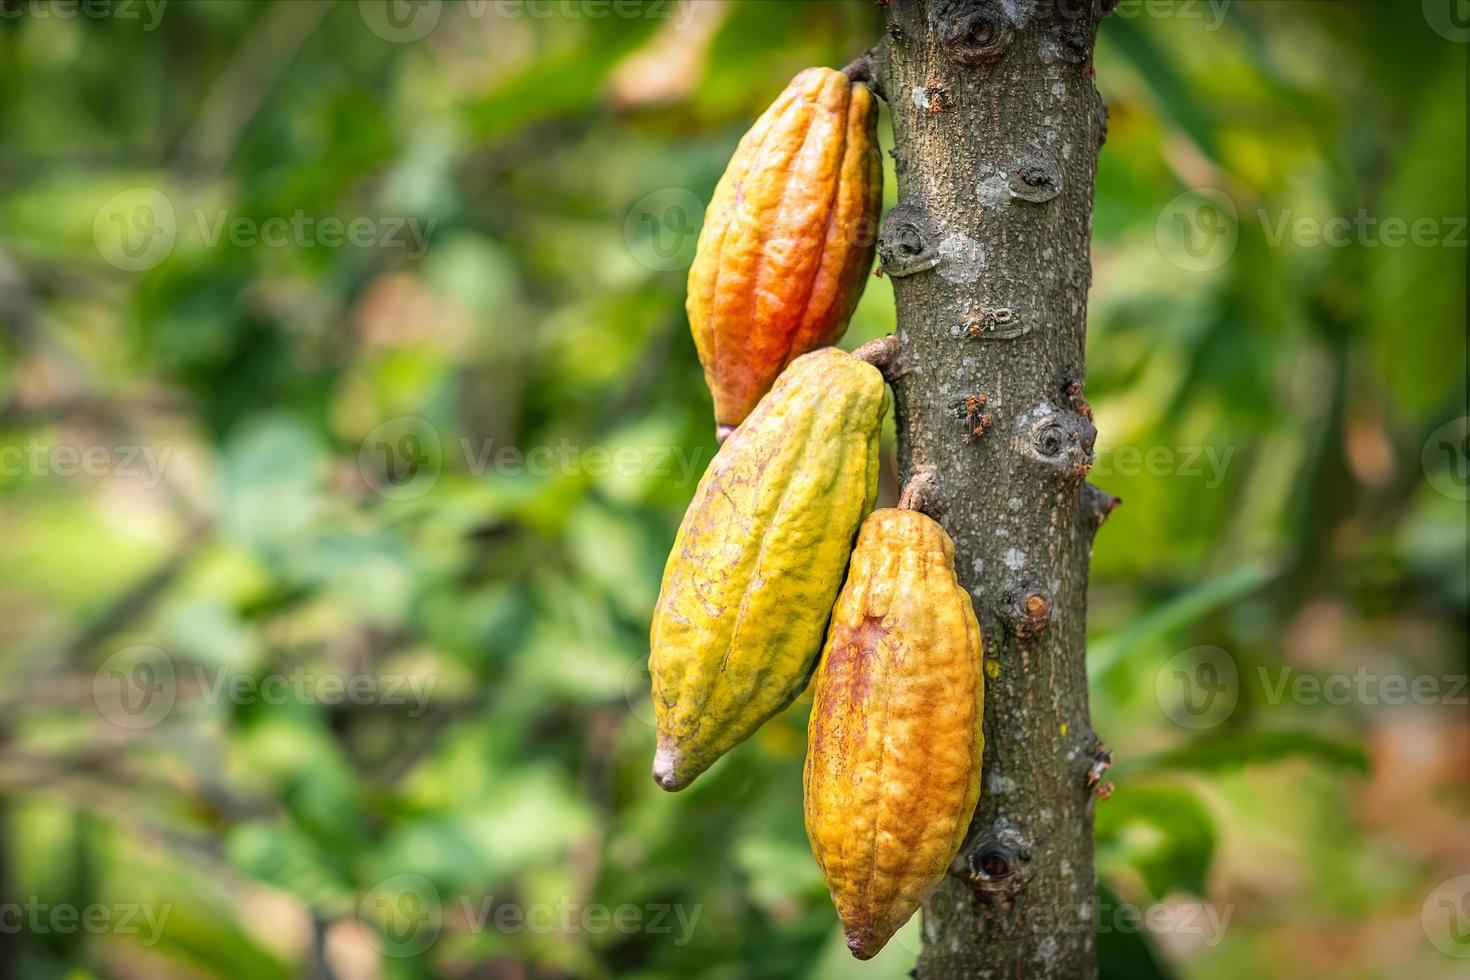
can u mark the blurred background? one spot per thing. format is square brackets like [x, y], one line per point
[348, 409]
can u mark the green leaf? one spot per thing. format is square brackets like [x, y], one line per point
[1236, 749]
[1124, 954]
[1162, 832]
[1184, 609]
[1176, 97]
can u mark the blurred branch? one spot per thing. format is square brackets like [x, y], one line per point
[139, 597]
[243, 86]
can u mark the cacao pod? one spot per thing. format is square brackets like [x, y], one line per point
[894, 740]
[759, 558]
[788, 238]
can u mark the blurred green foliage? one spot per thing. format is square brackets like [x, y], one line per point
[445, 456]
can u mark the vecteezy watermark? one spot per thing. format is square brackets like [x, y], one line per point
[150, 12]
[1450, 19]
[135, 230]
[301, 230]
[402, 458]
[1361, 228]
[1210, 13]
[39, 918]
[138, 229]
[1198, 688]
[404, 915]
[1446, 459]
[662, 228]
[139, 687]
[402, 21]
[1205, 920]
[401, 915]
[1198, 230]
[1363, 686]
[1209, 462]
[1445, 916]
[142, 463]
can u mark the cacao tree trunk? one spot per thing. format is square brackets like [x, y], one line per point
[997, 126]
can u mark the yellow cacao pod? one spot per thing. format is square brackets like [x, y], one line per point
[759, 558]
[894, 741]
[788, 238]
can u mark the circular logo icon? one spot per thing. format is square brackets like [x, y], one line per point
[637, 691]
[135, 688]
[1198, 230]
[401, 458]
[1446, 917]
[1447, 459]
[135, 230]
[401, 915]
[1450, 19]
[400, 21]
[662, 228]
[1198, 687]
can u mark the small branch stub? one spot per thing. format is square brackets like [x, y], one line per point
[882, 354]
[1063, 441]
[996, 323]
[905, 244]
[997, 868]
[1102, 760]
[974, 32]
[1035, 181]
[1028, 606]
[1098, 504]
[918, 493]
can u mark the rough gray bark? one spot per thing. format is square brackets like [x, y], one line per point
[997, 126]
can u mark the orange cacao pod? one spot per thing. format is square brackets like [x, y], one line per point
[894, 741]
[788, 238]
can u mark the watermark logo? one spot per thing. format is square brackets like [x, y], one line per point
[142, 463]
[1209, 13]
[38, 918]
[400, 459]
[150, 12]
[1199, 687]
[135, 230]
[404, 915]
[1446, 917]
[403, 457]
[1363, 686]
[1361, 228]
[1209, 463]
[637, 688]
[662, 228]
[1450, 19]
[1447, 459]
[135, 688]
[400, 21]
[401, 916]
[139, 688]
[1198, 230]
[138, 229]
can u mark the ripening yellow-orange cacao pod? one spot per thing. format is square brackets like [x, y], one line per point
[788, 238]
[894, 741]
[759, 558]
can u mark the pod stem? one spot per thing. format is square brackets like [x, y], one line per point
[882, 354]
[862, 69]
[918, 493]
